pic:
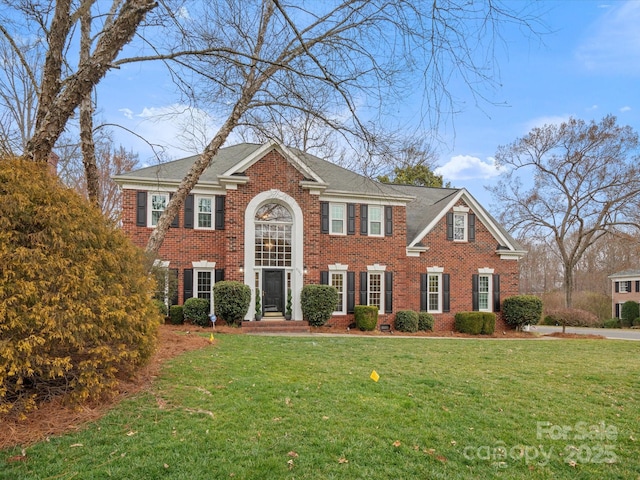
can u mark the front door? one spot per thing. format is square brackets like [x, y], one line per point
[273, 292]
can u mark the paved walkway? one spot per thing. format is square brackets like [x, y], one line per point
[613, 333]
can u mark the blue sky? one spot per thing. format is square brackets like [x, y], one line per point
[587, 66]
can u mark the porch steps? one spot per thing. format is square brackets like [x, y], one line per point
[275, 326]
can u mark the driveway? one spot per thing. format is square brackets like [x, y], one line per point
[615, 333]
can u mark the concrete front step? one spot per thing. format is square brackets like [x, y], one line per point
[273, 326]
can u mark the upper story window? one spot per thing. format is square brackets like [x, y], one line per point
[459, 227]
[158, 202]
[375, 220]
[337, 218]
[273, 223]
[204, 206]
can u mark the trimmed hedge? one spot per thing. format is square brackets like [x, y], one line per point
[571, 317]
[521, 310]
[232, 300]
[612, 323]
[426, 321]
[366, 317]
[318, 303]
[197, 310]
[406, 321]
[475, 323]
[176, 314]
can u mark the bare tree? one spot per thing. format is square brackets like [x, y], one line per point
[586, 184]
[274, 56]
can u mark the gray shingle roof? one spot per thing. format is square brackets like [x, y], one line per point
[424, 204]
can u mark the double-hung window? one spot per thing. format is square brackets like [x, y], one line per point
[459, 227]
[204, 212]
[375, 220]
[337, 218]
[338, 280]
[434, 292]
[158, 203]
[484, 293]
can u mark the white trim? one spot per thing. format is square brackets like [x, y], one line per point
[297, 245]
[415, 251]
[203, 264]
[461, 209]
[376, 267]
[338, 267]
[435, 269]
[368, 198]
[196, 212]
[486, 271]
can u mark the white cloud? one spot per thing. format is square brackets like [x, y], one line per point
[592, 108]
[613, 44]
[128, 113]
[467, 167]
[626, 108]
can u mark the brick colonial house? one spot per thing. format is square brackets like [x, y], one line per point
[277, 218]
[625, 286]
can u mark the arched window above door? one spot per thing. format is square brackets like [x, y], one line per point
[273, 222]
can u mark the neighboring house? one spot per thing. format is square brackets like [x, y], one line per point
[277, 219]
[625, 286]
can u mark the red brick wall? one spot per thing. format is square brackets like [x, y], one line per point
[226, 247]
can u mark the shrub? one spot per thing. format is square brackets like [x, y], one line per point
[425, 321]
[549, 320]
[232, 300]
[406, 321]
[318, 303]
[160, 305]
[572, 317]
[612, 323]
[469, 322]
[488, 323]
[196, 310]
[366, 317]
[629, 312]
[176, 314]
[75, 305]
[522, 310]
[636, 322]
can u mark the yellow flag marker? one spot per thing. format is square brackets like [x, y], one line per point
[374, 376]
[211, 338]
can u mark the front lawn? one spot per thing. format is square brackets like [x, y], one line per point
[252, 407]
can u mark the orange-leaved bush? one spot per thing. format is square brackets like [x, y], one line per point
[75, 301]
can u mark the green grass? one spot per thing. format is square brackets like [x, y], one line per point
[442, 409]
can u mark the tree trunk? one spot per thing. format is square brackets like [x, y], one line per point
[568, 290]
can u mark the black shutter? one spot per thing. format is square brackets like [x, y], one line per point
[351, 292]
[219, 275]
[629, 287]
[472, 227]
[324, 278]
[475, 303]
[188, 212]
[324, 217]
[388, 220]
[173, 286]
[617, 309]
[351, 219]
[188, 284]
[219, 212]
[141, 209]
[363, 288]
[388, 292]
[449, 226]
[637, 286]
[446, 296]
[617, 284]
[175, 223]
[496, 293]
[423, 292]
[364, 221]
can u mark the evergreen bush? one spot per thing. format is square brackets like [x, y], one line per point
[366, 317]
[232, 300]
[612, 323]
[629, 312]
[425, 321]
[176, 314]
[160, 305]
[406, 321]
[488, 323]
[469, 322]
[75, 298]
[318, 303]
[196, 310]
[521, 310]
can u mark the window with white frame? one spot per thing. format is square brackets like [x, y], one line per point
[338, 280]
[375, 214]
[484, 293]
[624, 287]
[158, 202]
[203, 277]
[375, 286]
[337, 218]
[204, 211]
[434, 292]
[459, 227]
